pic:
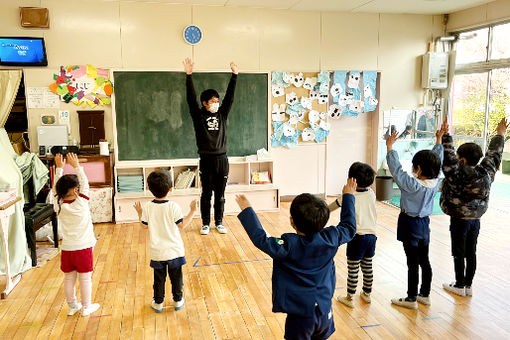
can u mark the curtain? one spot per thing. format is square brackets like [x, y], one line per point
[9, 83]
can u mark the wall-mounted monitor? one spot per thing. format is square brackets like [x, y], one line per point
[22, 51]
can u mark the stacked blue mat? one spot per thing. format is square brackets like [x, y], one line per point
[130, 183]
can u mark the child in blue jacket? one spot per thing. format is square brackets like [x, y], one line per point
[416, 204]
[303, 267]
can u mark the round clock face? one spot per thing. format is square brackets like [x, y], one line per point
[192, 34]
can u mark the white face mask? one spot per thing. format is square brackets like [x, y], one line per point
[213, 108]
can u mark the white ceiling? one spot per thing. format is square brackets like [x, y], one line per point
[372, 6]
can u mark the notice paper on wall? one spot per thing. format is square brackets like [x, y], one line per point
[42, 98]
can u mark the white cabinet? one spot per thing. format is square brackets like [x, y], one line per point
[133, 179]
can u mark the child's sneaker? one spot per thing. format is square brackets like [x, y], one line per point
[365, 297]
[90, 309]
[455, 290]
[73, 308]
[179, 304]
[469, 291]
[204, 230]
[403, 302]
[424, 300]
[346, 300]
[221, 229]
[158, 307]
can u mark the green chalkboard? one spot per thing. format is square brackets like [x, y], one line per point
[153, 120]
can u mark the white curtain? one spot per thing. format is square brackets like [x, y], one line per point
[9, 83]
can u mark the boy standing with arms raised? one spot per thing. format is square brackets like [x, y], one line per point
[465, 198]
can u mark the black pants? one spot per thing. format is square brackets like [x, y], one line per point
[213, 174]
[464, 235]
[175, 275]
[418, 256]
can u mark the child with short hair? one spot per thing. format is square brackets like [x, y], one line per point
[361, 249]
[465, 198]
[164, 218]
[303, 267]
[416, 204]
[78, 240]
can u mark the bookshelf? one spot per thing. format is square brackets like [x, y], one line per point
[131, 185]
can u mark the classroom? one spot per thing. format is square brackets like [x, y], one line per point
[302, 169]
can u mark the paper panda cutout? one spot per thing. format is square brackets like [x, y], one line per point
[278, 113]
[313, 116]
[356, 106]
[367, 91]
[291, 98]
[336, 90]
[353, 81]
[306, 103]
[297, 80]
[343, 100]
[277, 90]
[310, 83]
[314, 94]
[323, 98]
[335, 111]
[288, 130]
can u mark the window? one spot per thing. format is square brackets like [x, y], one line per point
[472, 46]
[500, 42]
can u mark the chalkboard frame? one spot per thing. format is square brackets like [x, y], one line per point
[176, 161]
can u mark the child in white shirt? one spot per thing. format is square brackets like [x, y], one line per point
[78, 238]
[164, 219]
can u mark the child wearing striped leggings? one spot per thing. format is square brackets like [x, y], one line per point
[361, 249]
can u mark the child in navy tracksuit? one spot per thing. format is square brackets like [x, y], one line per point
[303, 267]
[416, 204]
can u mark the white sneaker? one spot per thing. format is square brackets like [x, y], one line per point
[469, 291]
[403, 303]
[221, 229]
[455, 290]
[90, 309]
[158, 307]
[179, 304]
[346, 300]
[204, 230]
[76, 306]
[424, 300]
[365, 297]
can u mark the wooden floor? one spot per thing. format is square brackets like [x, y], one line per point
[227, 284]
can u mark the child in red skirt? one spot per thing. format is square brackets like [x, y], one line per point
[78, 237]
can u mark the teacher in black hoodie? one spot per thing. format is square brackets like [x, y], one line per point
[210, 123]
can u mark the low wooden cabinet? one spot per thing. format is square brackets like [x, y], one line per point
[263, 197]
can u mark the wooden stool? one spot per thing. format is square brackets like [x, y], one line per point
[36, 217]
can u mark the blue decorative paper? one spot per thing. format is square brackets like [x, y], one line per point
[369, 85]
[323, 77]
[277, 77]
[356, 91]
[295, 108]
[279, 139]
[321, 134]
[339, 78]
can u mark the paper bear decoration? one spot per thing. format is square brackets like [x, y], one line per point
[310, 83]
[314, 94]
[288, 130]
[278, 113]
[313, 116]
[373, 101]
[277, 90]
[353, 81]
[335, 111]
[314, 125]
[293, 118]
[322, 115]
[308, 134]
[291, 98]
[287, 79]
[336, 90]
[367, 92]
[356, 106]
[323, 98]
[324, 125]
[306, 103]
[343, 100]
[297, 80]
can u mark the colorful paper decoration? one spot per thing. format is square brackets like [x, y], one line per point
[82, 85]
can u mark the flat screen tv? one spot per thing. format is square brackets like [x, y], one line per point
[22, 51]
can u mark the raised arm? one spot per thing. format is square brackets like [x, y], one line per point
[59, 164]
[228, 100]
[274, 247]
[191, 96]
[403, 180]
[347, 225]
[492, 159]
[72, 159]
